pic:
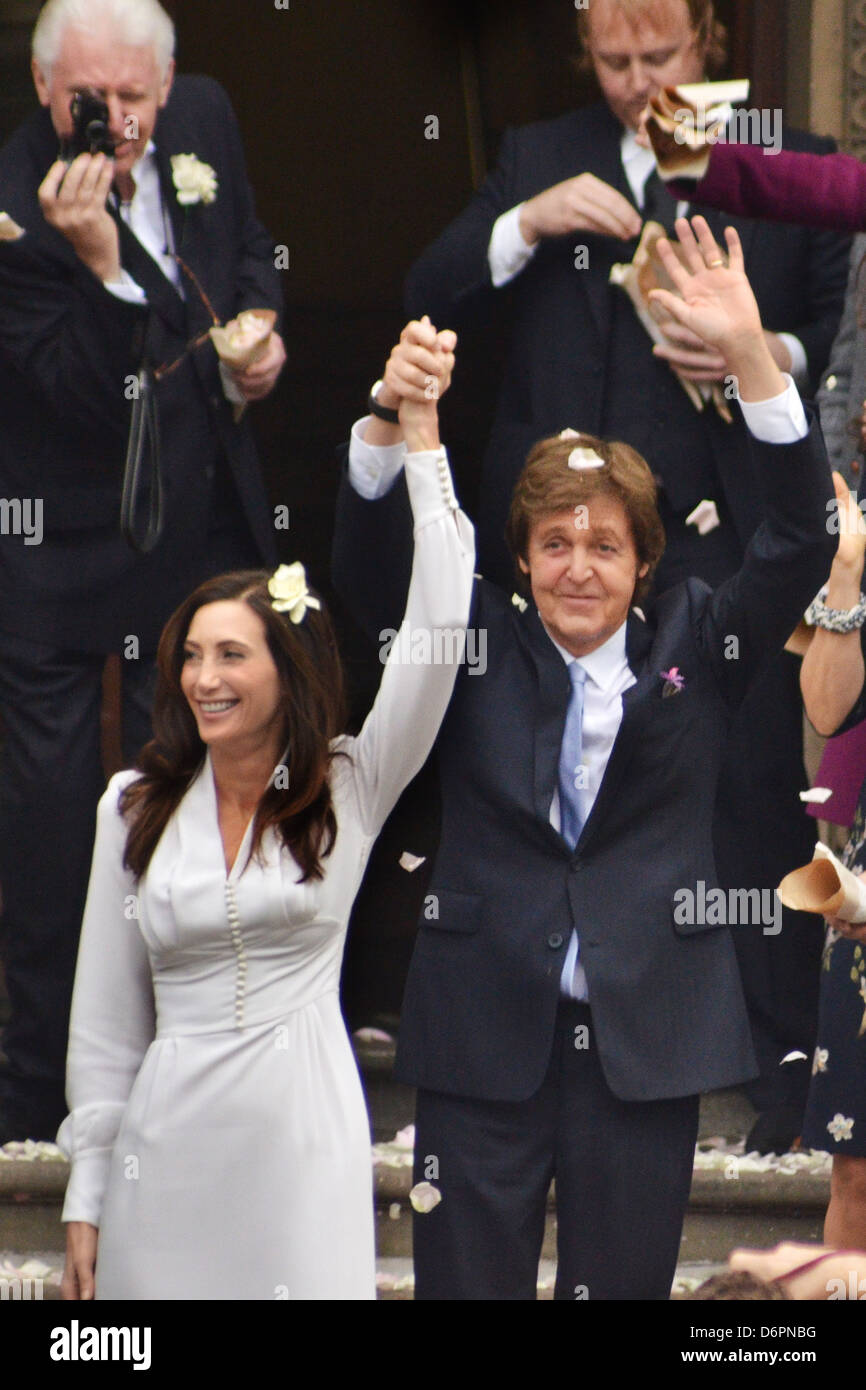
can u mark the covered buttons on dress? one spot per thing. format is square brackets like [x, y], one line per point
[237, 940]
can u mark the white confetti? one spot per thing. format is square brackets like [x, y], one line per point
[705, 516]
[817, 794]
[411, 862]
[372, 1035]
[582, 457]
[424, 1197]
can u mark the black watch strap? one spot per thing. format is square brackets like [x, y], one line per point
[381, 412]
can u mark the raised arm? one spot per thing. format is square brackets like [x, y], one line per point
[749, 617]
[372, 546]
[423, 655]
[832, 673]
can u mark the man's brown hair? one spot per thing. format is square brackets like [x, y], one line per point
[712, 34]
[547, 485]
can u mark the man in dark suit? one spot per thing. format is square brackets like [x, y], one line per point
[557, 212]
[111, 264]
[562, 1012]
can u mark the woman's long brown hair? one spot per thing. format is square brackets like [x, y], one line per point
[311, 680]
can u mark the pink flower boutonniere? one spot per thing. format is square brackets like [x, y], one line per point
[673, 681]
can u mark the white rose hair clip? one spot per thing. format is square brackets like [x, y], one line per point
[289, 593]
[581, 457]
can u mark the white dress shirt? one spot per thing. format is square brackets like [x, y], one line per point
[372, 471]
[608, 676]
[508, 253]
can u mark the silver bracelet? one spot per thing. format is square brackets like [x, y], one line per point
[835, 619]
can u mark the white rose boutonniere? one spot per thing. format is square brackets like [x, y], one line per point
[195, 181]
[287, 587]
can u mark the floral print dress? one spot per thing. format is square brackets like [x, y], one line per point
[836, 1111]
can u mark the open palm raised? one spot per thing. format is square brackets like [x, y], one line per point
[717, 302]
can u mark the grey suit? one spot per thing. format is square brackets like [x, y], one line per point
[843, 386]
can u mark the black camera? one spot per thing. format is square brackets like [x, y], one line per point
[91, 134]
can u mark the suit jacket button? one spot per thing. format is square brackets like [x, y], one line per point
[554, 941]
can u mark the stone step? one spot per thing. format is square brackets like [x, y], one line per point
[25, 1278]
[735, 1199]
[752, 1208]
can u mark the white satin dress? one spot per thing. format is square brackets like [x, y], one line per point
[217, 1128]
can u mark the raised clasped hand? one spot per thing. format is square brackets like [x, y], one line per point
[73, 200]
[418, 374]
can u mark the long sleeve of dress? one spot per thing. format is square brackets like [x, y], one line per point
[423, 656]
[112, 1020]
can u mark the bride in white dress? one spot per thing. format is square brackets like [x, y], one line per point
[217, 1132]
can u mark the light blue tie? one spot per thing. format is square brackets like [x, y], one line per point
[570, 769]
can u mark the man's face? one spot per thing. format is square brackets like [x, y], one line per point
[127, 79]
[632, 61]
[583, 567]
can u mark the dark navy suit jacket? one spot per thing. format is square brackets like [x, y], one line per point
[484, 984]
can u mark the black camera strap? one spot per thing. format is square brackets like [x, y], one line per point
[141, 521]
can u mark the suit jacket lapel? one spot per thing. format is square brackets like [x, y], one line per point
[161, 293]
[606, 164]
[554, 689]
[190, 243]
[638, 642]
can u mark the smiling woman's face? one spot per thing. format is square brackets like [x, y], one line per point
[230, 679]
[583, 568]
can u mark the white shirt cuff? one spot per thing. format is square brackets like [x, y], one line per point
[780, 420]
[507, 252]
[126, 288]
[799, 361]
[373, 468]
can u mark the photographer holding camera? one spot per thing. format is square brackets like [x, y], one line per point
[130, 231]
